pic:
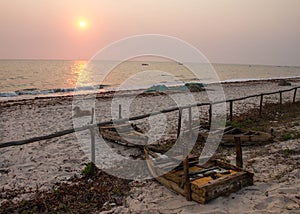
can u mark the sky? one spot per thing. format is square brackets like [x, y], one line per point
[265, 32]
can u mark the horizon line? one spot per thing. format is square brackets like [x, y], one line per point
[224, 63]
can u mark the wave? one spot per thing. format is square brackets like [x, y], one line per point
[35, 91]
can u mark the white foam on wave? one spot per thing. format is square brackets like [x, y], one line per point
[35, 91]
[92, 89]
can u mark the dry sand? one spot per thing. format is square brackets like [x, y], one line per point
[40, 164]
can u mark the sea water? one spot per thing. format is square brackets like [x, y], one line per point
[33, 78]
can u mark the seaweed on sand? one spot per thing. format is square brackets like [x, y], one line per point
[80, 195]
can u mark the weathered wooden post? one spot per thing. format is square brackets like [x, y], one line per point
[231, 110]
[280, 98]
[209, 115]
[261, 104]
[187, 185]
[239, 153]
[190, 120]
[93, 159]
[120, 111]
[179, 123]
[294, 98]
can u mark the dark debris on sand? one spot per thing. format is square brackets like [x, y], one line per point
[79, 195]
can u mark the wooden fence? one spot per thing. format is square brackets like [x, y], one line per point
[120, 120]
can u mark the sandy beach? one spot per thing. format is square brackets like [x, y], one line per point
[276, 186]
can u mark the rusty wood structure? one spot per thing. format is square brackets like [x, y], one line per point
[209, 181]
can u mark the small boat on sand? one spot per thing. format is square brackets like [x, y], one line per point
[214, 179]
[247, 137]
[124, 133]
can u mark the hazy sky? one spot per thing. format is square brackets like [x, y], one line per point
[228, 31]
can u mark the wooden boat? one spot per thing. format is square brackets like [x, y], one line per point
[247, 137]
[124, 133]
[207, 182]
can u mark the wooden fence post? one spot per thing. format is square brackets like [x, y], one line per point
[239, 153]
[187, 185]
[209, 114]
[280, 94]
[190, 120]
[294, 98]
[93, 158]
[231, 110]
[120, 111]
[179, 123]
[261, 104]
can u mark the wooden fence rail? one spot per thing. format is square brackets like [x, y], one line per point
[122, 120]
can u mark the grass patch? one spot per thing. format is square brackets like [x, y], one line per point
[89, 170]
[286, 137]
[273, 115]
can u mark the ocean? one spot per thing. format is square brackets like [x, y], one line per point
[21, 79]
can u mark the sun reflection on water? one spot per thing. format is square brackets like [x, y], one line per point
[81, 74]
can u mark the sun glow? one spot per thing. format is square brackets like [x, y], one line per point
[82, 24]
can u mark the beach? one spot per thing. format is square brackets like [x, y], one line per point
[41, 164]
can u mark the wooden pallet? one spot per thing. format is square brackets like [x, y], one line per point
[207, 182]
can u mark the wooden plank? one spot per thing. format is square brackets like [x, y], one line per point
[171, 185]
[177, 189]
[227, 166]
[227, 185]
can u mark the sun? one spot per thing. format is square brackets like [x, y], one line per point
[82, 24]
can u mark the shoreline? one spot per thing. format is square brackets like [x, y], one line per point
[110, 94]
